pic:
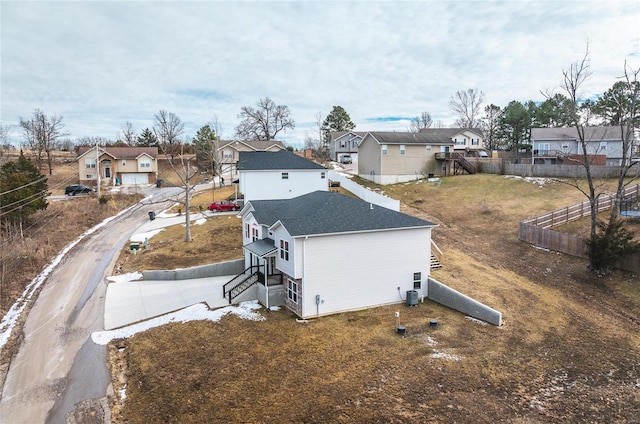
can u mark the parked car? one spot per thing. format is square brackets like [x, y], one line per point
[74, 189]
[223, 206]
[345, 158]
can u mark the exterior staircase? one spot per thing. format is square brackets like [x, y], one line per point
[435, 262]
[465, 164]
[239, 284]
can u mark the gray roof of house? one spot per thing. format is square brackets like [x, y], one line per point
[438, 136]
[325, 212]
[337, 134]
[261, 247]
[254, 144]
[570, 133]
[283, 159]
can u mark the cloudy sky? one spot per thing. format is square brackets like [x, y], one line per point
[100, 64]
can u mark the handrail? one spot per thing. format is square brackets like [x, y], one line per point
[242, 274]
[242, 286]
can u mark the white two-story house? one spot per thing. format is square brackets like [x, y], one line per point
[324, 253]
[279, 175]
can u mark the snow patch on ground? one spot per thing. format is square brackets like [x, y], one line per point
[140, 237]
[132, 276]
[246, 310]
[535, 180]
[447, 356]
[477, 321]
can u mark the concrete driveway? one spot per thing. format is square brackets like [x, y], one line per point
[130, 302]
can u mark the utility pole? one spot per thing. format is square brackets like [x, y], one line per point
[98, 169]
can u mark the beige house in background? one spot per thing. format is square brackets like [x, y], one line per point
[118, 165]
[394, 157]
[230, 151]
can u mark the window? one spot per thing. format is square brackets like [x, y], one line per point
[459, 142]
[292, 291]
[143, 164]
[543, 149]
[403, 149]
[227, 154]
[603, 145]
[90, 162]
[384, 149]
[246, 231]
[323, 175]
[417, 280]
[475, 141]
[285, 175]
[91, 176]
[284, 250]
[254, 234]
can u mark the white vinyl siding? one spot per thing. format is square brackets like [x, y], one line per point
[355, 281]
[269, 185]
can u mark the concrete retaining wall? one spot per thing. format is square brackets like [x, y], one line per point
[453, 299]
[203, 271]
[364, 193]
[276, 295]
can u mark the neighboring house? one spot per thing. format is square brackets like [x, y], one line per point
[324, 253]
[562, 146]
[229, 151]
[341, 142]
[118, 165]
[468, 140]
[279, 175]
[393, 157]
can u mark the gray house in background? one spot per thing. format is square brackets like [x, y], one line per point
[344, 142]
[562, 146]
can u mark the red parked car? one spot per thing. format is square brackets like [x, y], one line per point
[223, 206]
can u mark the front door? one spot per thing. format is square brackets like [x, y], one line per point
[271, 265]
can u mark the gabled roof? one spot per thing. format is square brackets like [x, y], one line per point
[257, 145]
[122, 152]
[325, 212]
[571, 134]
[281, 160]
[410, 138]
[337, 134]
[450, 132]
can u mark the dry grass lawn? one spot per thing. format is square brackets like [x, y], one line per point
[569, 350]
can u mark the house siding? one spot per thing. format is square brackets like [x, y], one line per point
[265, 185]
[369, 154]
[350, 277]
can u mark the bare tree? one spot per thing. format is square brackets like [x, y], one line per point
[265, 122]
[41, 134]
[421, 122]
[627, 104]
[601, 245]
[168, 128]
[128, 134]
[467, 105]
[5, 132]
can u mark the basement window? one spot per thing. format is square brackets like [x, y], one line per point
[285, 175]
[292, 291]
[417, 280]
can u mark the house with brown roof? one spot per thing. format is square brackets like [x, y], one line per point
[230, 151]
[118, 165]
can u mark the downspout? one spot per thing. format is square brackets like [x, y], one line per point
[266, 283]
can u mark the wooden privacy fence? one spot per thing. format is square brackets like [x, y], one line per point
[537, 230]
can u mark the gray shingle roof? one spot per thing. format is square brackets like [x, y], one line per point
[413, 138]
[283, 159]
[570, 133]
[324, 212]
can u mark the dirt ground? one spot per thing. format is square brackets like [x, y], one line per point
[569, 349]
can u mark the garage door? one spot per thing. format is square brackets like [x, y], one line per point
[134, 178]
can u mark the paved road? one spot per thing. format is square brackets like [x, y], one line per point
[58, 370]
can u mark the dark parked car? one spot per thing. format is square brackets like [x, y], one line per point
[223, 205]
[74, 189]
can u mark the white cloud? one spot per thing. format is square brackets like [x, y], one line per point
[100, 64]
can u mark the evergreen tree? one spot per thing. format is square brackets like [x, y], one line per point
[24, 190]
[206, 147]
[147, 139]
[337, 120]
